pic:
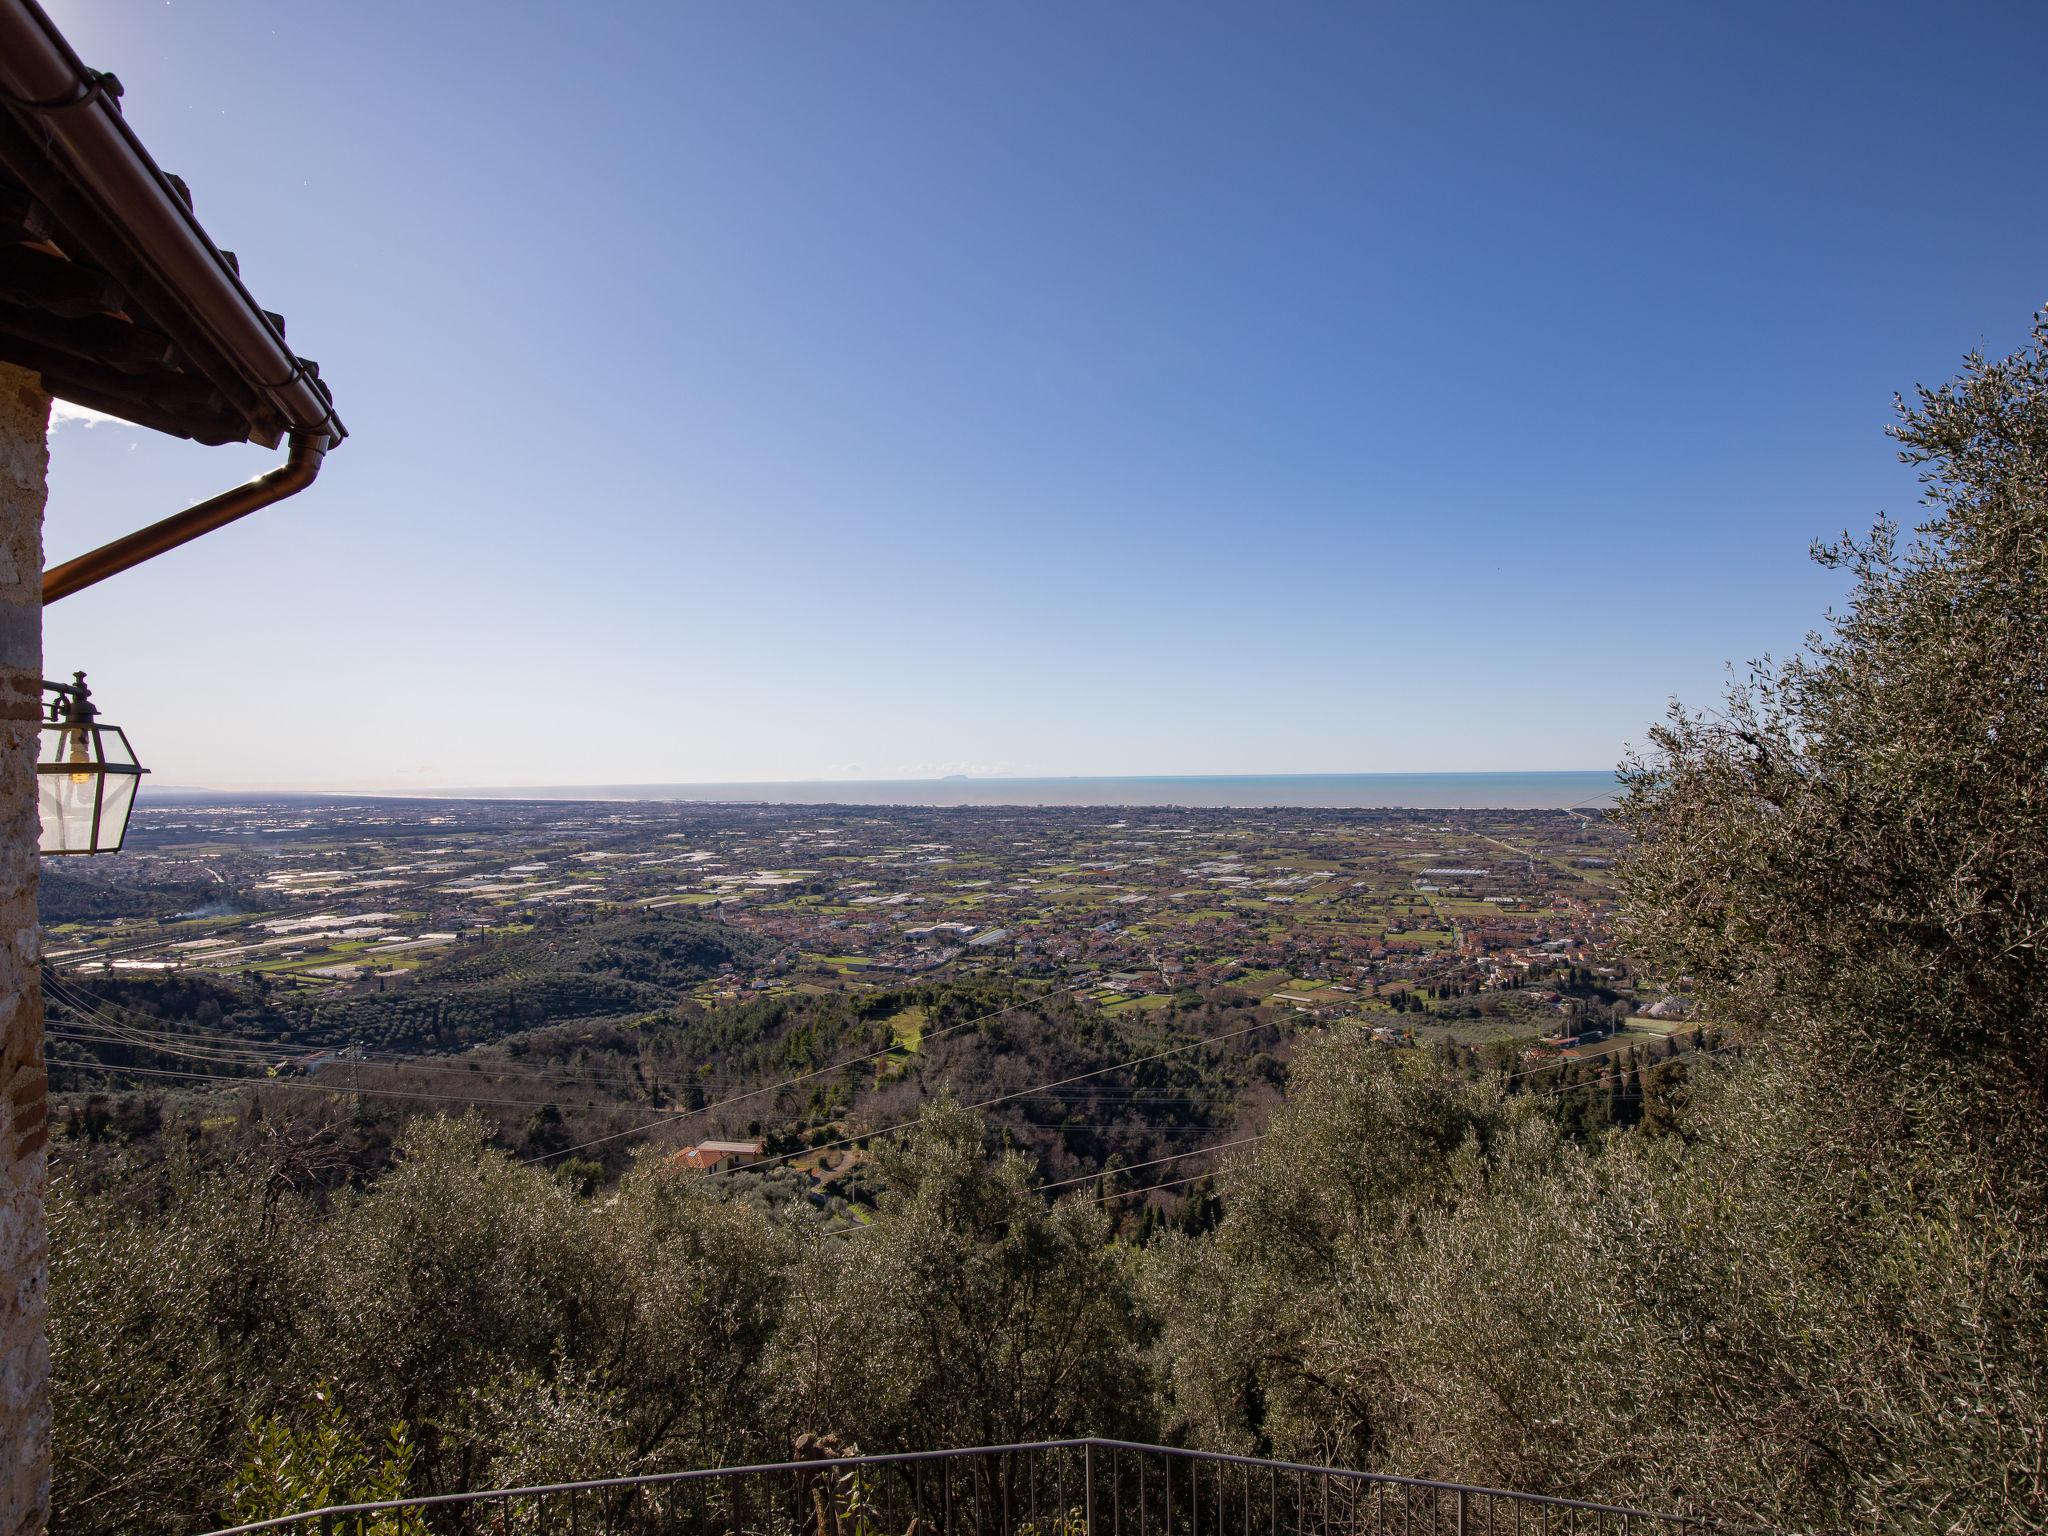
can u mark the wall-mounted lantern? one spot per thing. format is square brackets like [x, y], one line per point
[86, 774]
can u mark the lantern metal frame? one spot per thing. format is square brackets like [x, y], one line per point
[78, 748]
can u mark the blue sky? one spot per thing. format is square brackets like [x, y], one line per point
[770, 390]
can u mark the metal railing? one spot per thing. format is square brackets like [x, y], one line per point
[1049, 1488]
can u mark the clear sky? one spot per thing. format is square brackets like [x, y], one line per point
[764, 390]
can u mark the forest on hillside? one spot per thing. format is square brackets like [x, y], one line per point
[1809, 1290]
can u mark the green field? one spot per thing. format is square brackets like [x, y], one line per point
[1149, 1001]
[907, 1028]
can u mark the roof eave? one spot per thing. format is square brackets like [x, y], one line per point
[70, 142]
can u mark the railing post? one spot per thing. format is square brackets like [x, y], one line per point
[1461, 1512]
[1088, 1487]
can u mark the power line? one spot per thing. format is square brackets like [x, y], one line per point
[150, 1038]
[1580, 1087]
[89, 1007]
[805, 1077]
[1136, 1127]
[118, 1034]
[122, 1034]
[101, 1011]
[1002, 1098]
[1171, 1183]
[83, 1035]
[246, 1053]
[115, 1030]
[1106, 1173]
[1127, 1096]
[1148, 1189]
[220, 1080]
[258, 1055]
[1248, 1140]
[1242, 1141]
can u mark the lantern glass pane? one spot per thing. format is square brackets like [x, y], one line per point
[113, 746]
[115, 804]
[66, 801]
[67, 744]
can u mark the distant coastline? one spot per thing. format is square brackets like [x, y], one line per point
[1559, 790]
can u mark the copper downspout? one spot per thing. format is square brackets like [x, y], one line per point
[289, 478]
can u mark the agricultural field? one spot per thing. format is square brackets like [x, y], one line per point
[586, 972]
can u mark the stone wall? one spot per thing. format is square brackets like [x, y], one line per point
[24, 1131]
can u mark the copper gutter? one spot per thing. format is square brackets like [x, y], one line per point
[80, 122]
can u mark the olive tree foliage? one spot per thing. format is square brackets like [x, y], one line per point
[1418, 1275]
[1851, 858]
[1728, 1324]
[971, 1313]
[455, 1272]
[527, 1334]
[1852, 853]
[1824, 1304]
[170, 1299]
[507, 1329]
[1280, 1331]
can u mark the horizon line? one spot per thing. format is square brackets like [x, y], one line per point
[469, 790]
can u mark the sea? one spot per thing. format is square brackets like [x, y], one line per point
[1562, 790]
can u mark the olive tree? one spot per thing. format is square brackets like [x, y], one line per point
[1850, 859]
[1851, 854]
[1823, 1304]
[176, 1296]
[971, 1313]
[1279, 1330]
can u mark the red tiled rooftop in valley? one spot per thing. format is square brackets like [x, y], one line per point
[709, 1154]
